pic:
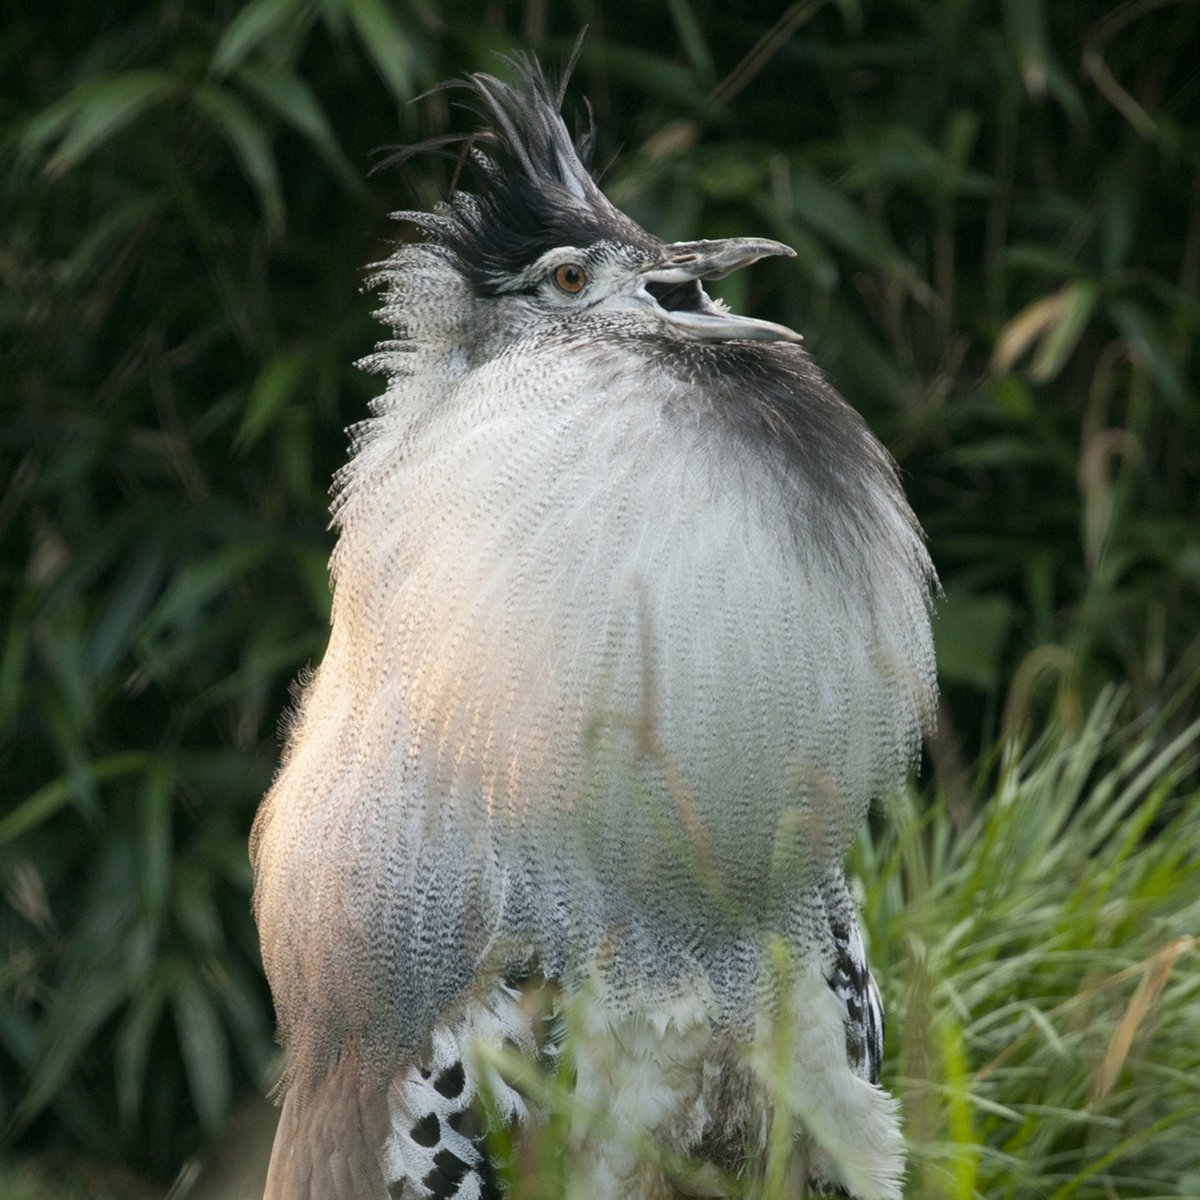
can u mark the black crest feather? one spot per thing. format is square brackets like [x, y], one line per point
[529, 182]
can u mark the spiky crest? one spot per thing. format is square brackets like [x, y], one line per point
[530, 186]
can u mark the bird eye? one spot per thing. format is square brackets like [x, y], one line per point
[570, 278]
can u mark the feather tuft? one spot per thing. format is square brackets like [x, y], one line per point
[528, 183]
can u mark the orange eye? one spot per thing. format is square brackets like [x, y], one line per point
[570, 278]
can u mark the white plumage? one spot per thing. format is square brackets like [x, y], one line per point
[630, 624]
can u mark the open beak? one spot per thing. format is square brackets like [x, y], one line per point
[675, 283]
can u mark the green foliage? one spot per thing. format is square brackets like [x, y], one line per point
[70, 1181]
[1042, 971]
[181, 372]
[994, 211]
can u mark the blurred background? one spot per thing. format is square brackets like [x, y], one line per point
[996, 213]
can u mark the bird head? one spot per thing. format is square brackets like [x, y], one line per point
[532, 233]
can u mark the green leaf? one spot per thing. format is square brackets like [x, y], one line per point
[970, 631]
[199, 582]
[276, 384]
[92, 114]
[656, 73]
[1056, 346]
[813, 258]
[123, 223]
[76, 1017]
[256, 23]
[59, 793]
[692, 39]
[293, 100]
[250, 145]
[130, 597]
[155, 810]
[833, 214]
[14, 654]
[138, 1025]
[204, 1047]
[1144, 335]
[388, 44]
[1026, 22]
[1054, 324]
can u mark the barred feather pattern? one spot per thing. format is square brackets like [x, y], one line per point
[628, 630]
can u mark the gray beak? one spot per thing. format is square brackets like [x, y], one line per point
[675, 283]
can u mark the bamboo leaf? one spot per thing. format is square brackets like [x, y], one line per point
[276, 384]
[133, 1045]
[292, 99]
[388, 44]
[93, 114]
[692, 38]
[1054, 323]
[131, 596]
[1060, 339]
[59, 793]
[970, 631]
[257, 23]
[251, 146]
[74, 1022]
[1146, 337]
[833, 214]
[204, 1047]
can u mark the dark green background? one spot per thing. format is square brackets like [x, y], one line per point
[996, 213]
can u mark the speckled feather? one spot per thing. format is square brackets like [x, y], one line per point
[628, 630]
